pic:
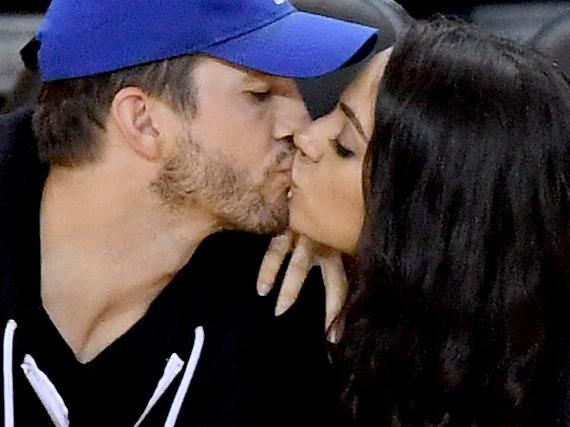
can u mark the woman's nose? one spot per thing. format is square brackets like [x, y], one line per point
[306, 144]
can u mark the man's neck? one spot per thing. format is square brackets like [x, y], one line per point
[107, 251]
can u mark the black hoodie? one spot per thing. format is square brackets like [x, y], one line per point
[252, 369]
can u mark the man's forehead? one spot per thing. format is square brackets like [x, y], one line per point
[252, 76]
[245, 76]
[278, 84]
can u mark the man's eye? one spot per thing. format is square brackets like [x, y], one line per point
[341, 150]
[261, 95]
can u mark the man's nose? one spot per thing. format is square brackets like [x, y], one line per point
[290, 118]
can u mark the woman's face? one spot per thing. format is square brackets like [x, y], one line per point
[327, 203]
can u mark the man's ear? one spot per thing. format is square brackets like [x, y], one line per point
[132, 112]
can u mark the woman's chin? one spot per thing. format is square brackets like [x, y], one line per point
[298, 223]
[296, 220]
[315, 227]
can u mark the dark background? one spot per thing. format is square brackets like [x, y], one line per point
[522, 20]
[417, 8]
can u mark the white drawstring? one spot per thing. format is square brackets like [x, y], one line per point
[53, 401]
[172, 369]
[8, 351]
[186, 378]
[46, 391]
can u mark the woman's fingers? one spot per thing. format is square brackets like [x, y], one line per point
[297, 270]
[336, 291]
[276, 253]
[306, 254]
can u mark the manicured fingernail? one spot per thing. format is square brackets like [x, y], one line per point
[263, 289]
[282, 307]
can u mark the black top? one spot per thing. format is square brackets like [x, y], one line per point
[253, 370]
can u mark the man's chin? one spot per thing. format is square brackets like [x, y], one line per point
[269, 221]
[272, 222]
[275, 225]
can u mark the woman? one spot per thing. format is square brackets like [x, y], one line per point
[459, 312]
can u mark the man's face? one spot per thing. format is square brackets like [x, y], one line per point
[234, 154]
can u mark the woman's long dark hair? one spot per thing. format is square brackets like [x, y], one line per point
[461, 310]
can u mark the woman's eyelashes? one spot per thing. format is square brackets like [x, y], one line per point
[340, 149]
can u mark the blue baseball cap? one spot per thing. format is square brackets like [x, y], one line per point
[81, 38]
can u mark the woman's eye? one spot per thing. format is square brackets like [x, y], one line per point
[261, 95]
[341, 150]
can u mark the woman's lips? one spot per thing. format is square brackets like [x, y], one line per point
[294, 185]
[296, 170]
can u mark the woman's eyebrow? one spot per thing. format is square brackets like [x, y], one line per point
[349, 113]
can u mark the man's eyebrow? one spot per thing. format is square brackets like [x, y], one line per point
[248, 78]
[255, 77]
[349, 113]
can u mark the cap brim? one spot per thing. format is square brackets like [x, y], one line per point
[298, 45]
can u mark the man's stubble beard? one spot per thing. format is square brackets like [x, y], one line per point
[192, 178]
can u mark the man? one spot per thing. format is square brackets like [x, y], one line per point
[159, 124]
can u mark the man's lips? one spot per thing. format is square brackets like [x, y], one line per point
[286, 165]
[286, 169]
[288, 173]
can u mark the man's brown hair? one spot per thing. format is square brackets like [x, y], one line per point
[72, 113]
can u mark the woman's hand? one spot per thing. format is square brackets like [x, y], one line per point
[306, 254]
